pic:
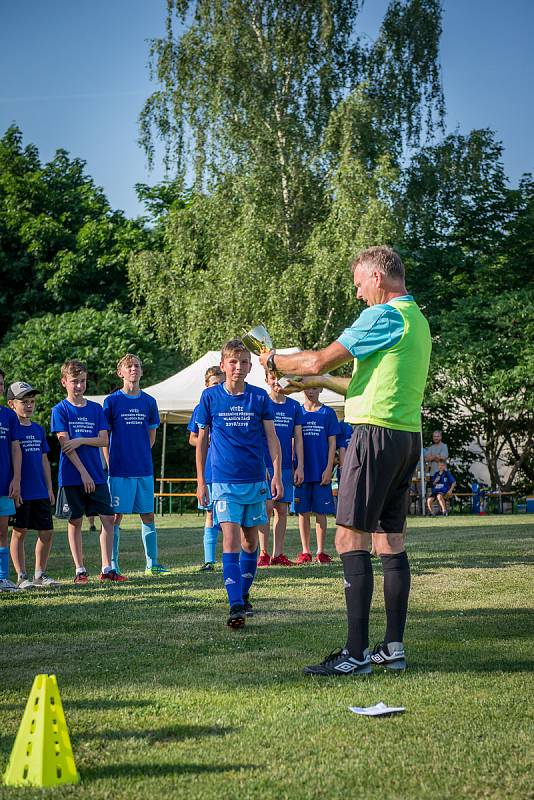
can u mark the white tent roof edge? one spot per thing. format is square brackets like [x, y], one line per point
[178, 395]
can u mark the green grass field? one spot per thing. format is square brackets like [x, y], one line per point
[162, 700]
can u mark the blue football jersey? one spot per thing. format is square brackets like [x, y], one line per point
[236, 424]
[317, 427]
[33, 444]
[79, 422]
[130, 420]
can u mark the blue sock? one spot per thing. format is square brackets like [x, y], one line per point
[232, 577]
[210, 543]
[115, 551]
[247, 565]
[4, 563]
[150, 543]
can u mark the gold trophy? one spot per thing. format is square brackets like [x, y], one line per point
[258, 341]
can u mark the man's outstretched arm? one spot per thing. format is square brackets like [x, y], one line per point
[310, 362]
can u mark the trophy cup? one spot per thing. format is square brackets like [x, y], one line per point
[258, 341]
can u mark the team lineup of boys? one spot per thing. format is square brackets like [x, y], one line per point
[256, 452]
[124, 431]
[116, 439]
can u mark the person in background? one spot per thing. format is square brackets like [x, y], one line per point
[288, 426]
[213, 377]
[81, 429]
[133, 418]
[443, 485]
[10, 468]
[319, 431]
[437, 450]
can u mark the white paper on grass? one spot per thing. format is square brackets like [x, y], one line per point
[377, 711]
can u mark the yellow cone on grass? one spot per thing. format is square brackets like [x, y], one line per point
[42, 753]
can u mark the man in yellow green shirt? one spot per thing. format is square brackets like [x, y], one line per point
[390, 344]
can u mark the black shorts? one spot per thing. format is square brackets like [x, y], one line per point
[73, 502]
[34, 515]
[376, 477]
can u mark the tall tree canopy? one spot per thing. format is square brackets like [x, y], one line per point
[276, 109]
[61, 245]
[34, 351]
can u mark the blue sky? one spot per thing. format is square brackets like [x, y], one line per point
[74, 75]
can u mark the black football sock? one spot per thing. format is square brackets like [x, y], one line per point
[397, 579]
[358, 574]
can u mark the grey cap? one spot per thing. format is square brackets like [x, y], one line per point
[20, 389]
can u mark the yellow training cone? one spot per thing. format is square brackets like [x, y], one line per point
[42, 753]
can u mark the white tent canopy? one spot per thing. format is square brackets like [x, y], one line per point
[178, 395]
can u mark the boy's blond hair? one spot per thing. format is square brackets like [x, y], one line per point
[212, 372]
[72, 368]
[127, 359]
[232, 347]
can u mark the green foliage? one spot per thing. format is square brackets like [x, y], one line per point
[61, 245]
[295, 131]
[463, 225]
[484, 376]
[34, 351]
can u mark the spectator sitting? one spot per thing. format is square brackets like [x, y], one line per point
[437, 450]
[443, 485]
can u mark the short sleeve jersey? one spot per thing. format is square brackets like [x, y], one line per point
[317, 426]
[130, 420]
[442, 482]
[286, 416]
[439, 450]
[344, 436]
[33, 444]
[193, 427]
[9, 432]
[236, 424]
[377, 328]
[79, 422]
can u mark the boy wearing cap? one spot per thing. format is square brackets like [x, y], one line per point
[82, 429]
[35, 512]
[10, 462]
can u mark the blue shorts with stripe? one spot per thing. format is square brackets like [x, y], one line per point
[132, 495]
[314, 497]
[240, 503]
[7, 506]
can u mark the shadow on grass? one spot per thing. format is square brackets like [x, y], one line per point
[169, 733]
[447, 560]
[152, 770]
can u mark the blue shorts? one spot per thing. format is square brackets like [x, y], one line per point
[240, 503]
[287, 480]
[7, 506]
[314, 497]
[209, 507]
[132, 495]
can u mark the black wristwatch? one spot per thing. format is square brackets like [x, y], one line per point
[270, 362]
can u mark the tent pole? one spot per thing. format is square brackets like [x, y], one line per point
[162, 469]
